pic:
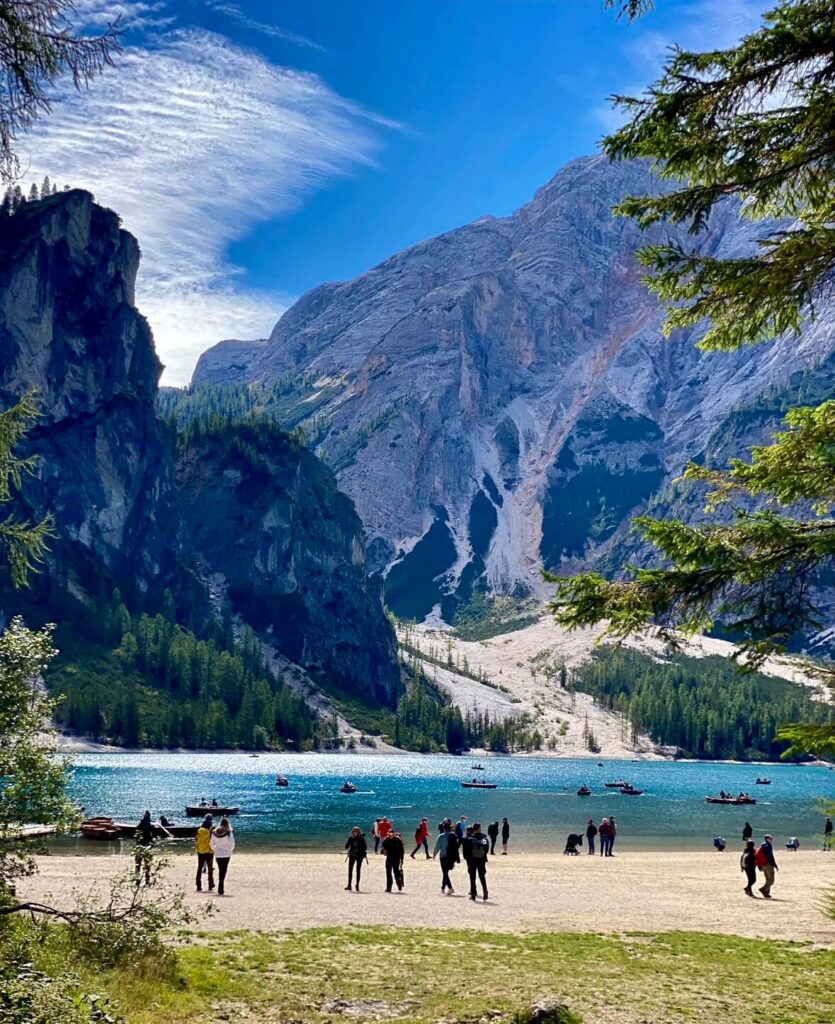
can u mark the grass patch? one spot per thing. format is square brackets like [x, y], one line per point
[424, 976]
[485, 616]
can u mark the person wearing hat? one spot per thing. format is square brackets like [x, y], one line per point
[767, 864]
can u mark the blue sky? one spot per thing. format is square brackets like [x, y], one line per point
[259, 147]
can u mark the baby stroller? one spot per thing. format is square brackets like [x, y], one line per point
[793, 844]
[720, 844]
[572, 842]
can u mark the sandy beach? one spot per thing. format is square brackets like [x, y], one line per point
[629, 892]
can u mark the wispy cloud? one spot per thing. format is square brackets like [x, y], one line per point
[704, 25]
[193, 143]
[130, 14]
[237, 14]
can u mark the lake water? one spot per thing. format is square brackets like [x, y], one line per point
[537, 795]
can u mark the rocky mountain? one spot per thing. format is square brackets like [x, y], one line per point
[500, 397]
[135, 509]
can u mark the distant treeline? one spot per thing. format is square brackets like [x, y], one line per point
[703, 706]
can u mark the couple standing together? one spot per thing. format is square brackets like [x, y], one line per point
[214, 844]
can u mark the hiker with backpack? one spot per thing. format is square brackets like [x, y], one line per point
[394, 851]
[476, 846]
[748, 864]
[767, 864]
[446, 847]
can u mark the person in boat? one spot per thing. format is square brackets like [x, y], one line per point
[476, 846]
[591, 832]
[493, 835]
[205, 856]
[422, 838]
[357, 852]
[394, 850]
[613, 832]
[747, 831]
[505, 837]
[446, 847]
[222, 842]
[214, 802]
[144, 839]
[203, 802]
[748, 865]
[164, 822]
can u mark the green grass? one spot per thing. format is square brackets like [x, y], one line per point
[424, 976]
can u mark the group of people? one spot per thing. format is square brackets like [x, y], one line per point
[215, 845]
[606, 832]
[453, 844]
[756, 858]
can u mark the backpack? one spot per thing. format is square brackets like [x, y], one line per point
[760, 857]
[479, 849]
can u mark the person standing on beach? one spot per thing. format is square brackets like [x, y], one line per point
[505, 837]
[748, 864]
[375, 831]
[591, 832]
[827, 834]
[446, 847]
[461, 827]
[603, 832]
[613, 831]
[767, 864]
[205, 857]
[357, 852]
[476, 846]
[145, 833]
[394, 850]
[422, 838]
[747, 831]
[222, 842]
[493, 835]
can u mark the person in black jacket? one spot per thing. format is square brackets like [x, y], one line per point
[357, 852]
[144, 840]
[394, 851]
[591, 832]
[475, 849]
[505, 835]
[748, 864]
[493, 833]
[747, 831]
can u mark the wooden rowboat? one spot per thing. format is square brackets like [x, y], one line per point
[216, 812]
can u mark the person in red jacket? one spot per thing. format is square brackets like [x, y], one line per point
[383, 828]
[422, 838]
[604, 834]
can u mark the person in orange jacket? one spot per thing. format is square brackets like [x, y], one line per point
[422, 838]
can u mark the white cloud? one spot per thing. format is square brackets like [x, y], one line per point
[234, 12]
[194, 143]
[130, 14]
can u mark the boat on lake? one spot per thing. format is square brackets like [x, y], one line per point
[584, 791]
[477, 767]
[629, 790]
[200, 810]
[282, 780]
[736, 801]
[347, 787]
[475, 784]
[763, 782]
[618, 784]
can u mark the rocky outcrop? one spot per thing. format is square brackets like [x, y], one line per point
[69, 332]
[127, 513]
[266, 514]
[518, 362]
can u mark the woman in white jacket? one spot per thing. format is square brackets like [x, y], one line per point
[223, 844]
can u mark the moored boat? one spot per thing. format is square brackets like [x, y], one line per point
[100, 828]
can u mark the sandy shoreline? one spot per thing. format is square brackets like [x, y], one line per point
[629, 892]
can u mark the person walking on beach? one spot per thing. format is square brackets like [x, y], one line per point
[222, 842]
[357, 852]
[493, 834]
[603, 832]
[421, 838]
[394, 850]
[476, 846]
[747, 831]
[591, 832]
[205, 857]
[748, 864]
[827, 834]
[461, 827]
[613, 831]
[767, 864]
[505, 837]
[384, 828]
[446, 847]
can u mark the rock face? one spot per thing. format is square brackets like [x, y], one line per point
[126, 513]
[501, 397]
[69, 331]
[266, 514]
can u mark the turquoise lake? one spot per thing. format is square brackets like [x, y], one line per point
[537, 795]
